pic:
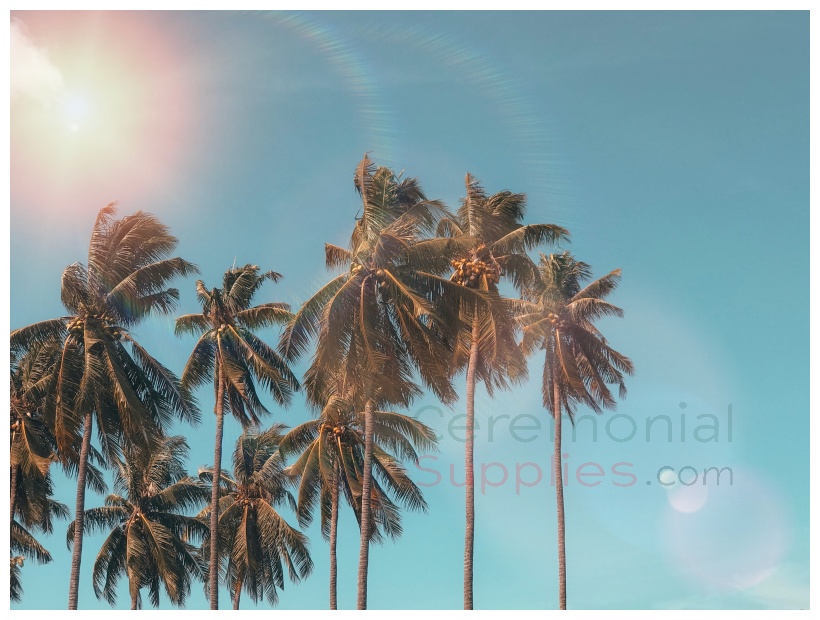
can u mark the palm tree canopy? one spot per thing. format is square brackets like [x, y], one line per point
[495, 221]
[330, 450]
[226, 339]
[149, 536]
[499, 251]
[101, 367]
[256, 543]
[376, 322]
[558, 317]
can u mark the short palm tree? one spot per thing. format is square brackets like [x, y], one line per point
[256, 544]
[579, 365]
[488, 347]
[330, 458]
[149, 536]
[102, 374]
[231, 356]
[376, 323]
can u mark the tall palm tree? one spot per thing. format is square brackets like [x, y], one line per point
[103, 375]
[558, 318]
[230, 355]
[330, 457]
[149, 539]
[376, 323]
[257, 544]
[487, 347]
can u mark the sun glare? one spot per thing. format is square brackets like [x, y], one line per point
[104, 118]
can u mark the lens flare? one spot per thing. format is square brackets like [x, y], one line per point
[735, 540]
[688, 499]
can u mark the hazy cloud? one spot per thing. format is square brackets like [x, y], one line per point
[33, 76]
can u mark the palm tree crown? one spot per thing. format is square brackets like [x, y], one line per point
[227, 344]
[375, 322]
[330, 451]
[558, 316]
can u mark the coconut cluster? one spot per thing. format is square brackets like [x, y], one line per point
[468, 271]
[76, 326]
[379, 274]
[556, 320]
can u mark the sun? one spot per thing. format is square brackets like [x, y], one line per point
[76, 110]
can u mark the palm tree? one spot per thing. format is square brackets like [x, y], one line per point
[256, 542]
[376, 323]
[229, 354]
[103, 375]
[330, 460]
[149, 537]
[488, 347]
[32, 506]
[579, 365]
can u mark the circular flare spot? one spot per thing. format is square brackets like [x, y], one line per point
[688, 499]
[735, 540]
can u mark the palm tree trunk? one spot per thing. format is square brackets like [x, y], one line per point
[237, 593]
[469, 476]
[213, 574]
[364, 545]
[14, 470]
[134, 598]
[334, 520]
[559, 497]
[79, 515]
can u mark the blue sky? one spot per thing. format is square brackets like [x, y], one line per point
[674, 145]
